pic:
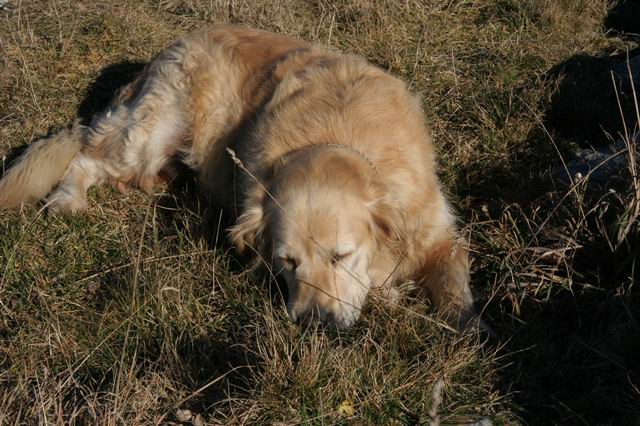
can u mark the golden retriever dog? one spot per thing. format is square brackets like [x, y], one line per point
[324, 160]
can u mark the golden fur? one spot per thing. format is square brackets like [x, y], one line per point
[324, 159]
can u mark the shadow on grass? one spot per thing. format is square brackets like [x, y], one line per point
[573, 357]
[96, 99]
[583, 111]
[622, 19]
[584, 106]
[105, 87]
[573, 353]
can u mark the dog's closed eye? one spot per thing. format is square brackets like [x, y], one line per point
[339, 257]
[289, 262]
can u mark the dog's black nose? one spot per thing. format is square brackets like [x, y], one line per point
[314, 316]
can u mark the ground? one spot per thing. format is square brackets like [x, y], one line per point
[138, 309]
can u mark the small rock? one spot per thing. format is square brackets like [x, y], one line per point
[184, 415]
[602, 165]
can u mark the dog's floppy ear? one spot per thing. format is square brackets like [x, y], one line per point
[278, 165]
[250, 225]
[248, 229]
[387, 221]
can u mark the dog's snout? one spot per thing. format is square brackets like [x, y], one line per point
[321, 316]
[329, 318]
[309, 304]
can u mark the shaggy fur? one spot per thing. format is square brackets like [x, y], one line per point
[324, 159]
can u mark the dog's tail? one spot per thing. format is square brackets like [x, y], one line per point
[40, 167]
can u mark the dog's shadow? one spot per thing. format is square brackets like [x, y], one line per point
[106, 85]
[96, 99]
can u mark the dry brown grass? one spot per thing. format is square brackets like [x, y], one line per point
[136, 310]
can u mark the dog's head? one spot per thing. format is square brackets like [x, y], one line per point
[322, 220]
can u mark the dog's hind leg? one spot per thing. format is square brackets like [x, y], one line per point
[131, 142]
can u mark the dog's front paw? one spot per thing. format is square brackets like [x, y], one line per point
[64, 202]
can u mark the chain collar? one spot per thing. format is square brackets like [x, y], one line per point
[345, 147]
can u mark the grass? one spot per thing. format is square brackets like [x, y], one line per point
[138, 309]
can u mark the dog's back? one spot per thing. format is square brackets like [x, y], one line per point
[210, 91]
[199, 91]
